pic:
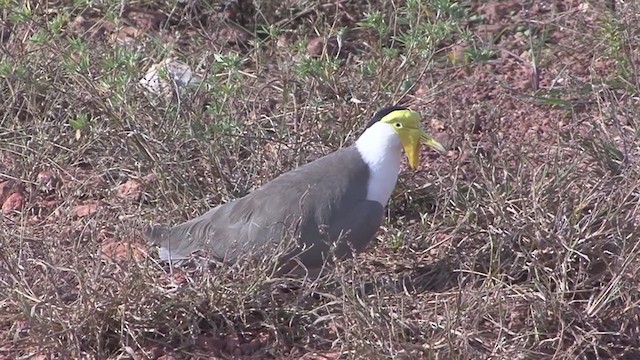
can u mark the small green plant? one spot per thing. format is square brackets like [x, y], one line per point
[478, 54]
[20, 13]
[270, 31]
[374, 21]
[390, 53]
[80, 124]
[449, 9]
[77, 57]
[230, 62]
[57, 24]
[6, 68]
[120, 58]
[41, 37]
[225, 125]
[323, 68]
[81, 4]
[369, 68]
[617, 48]
[396, 241]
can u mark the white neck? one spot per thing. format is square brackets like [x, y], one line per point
[381, 150]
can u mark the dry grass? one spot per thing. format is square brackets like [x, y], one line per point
[521, 244]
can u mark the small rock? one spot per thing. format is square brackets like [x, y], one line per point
[175, 279]
[13, 203]
[130, 190]
[319, 46]
[114, 249]
[283, 42]
[127, 35]
[234, 35]
[95, 28]
[86, 209]
[150, 178]
[421, 91]
[179, 278]
[152, 20]
[46, 181]
[438, 125]
[177, 72]
[315, 47]
[495, 11]
[6, 189]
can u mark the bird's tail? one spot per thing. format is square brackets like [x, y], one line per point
[171, 245]
[154, 234]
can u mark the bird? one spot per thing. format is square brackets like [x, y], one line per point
[330, 208]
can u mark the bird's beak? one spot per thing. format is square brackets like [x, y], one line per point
[412, 147]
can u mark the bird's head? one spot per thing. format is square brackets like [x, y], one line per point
[406, 123]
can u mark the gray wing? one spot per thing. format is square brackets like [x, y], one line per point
[350, 232]
[313, 204]
[226, 232]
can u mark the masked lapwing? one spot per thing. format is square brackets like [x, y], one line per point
[326, 209]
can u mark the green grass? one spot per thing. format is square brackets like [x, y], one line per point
[521, 243]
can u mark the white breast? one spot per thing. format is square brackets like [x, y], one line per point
[381, 150]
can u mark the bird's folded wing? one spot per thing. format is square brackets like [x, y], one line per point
[349, 232]
[226, 232]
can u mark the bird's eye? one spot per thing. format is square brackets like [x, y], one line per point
[398, 125]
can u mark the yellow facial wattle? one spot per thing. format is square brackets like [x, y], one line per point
[407, 124]
[411, 144]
